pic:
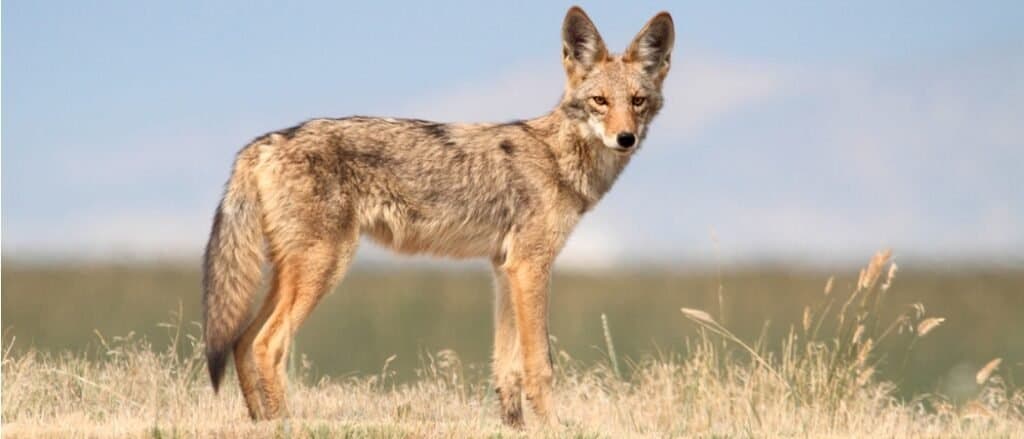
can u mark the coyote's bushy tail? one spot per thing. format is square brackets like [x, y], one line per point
[232, 267]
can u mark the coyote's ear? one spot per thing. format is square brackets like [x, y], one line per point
[582, 46]
[652, 47]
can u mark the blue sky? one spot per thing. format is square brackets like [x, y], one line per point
[792, 130]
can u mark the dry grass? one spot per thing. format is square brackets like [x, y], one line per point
[817, 382]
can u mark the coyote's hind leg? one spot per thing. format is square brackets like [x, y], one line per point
[303, 274]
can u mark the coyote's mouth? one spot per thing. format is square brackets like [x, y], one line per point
[623, 150]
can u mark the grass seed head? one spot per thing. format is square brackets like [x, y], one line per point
[698, 315]
[870, 274]
[927, 325]
[986, 372]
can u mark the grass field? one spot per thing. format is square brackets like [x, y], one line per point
[680, 355]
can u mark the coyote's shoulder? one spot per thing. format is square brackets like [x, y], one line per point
[507, 192]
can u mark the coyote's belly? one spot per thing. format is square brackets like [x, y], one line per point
[462, 241]
[461, 233]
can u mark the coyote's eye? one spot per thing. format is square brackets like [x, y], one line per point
[638, 100]
[600, 100]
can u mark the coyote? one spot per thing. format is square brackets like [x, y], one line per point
[509, 192]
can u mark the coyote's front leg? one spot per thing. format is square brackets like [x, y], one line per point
[528, 284]
[508, 363]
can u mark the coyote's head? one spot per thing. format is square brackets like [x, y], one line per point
[614, 97]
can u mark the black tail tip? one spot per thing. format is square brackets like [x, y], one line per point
[216, 362]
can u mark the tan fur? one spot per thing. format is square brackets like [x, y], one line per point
[509, 192]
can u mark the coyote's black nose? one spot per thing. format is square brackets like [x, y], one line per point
[626, 140]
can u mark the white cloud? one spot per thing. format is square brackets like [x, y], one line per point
[703, 88]
[594, 245]
[525, 92]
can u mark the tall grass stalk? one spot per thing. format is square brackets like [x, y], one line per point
[612, 356]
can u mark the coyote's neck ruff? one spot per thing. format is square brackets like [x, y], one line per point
[585, 165]
[508, 192]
